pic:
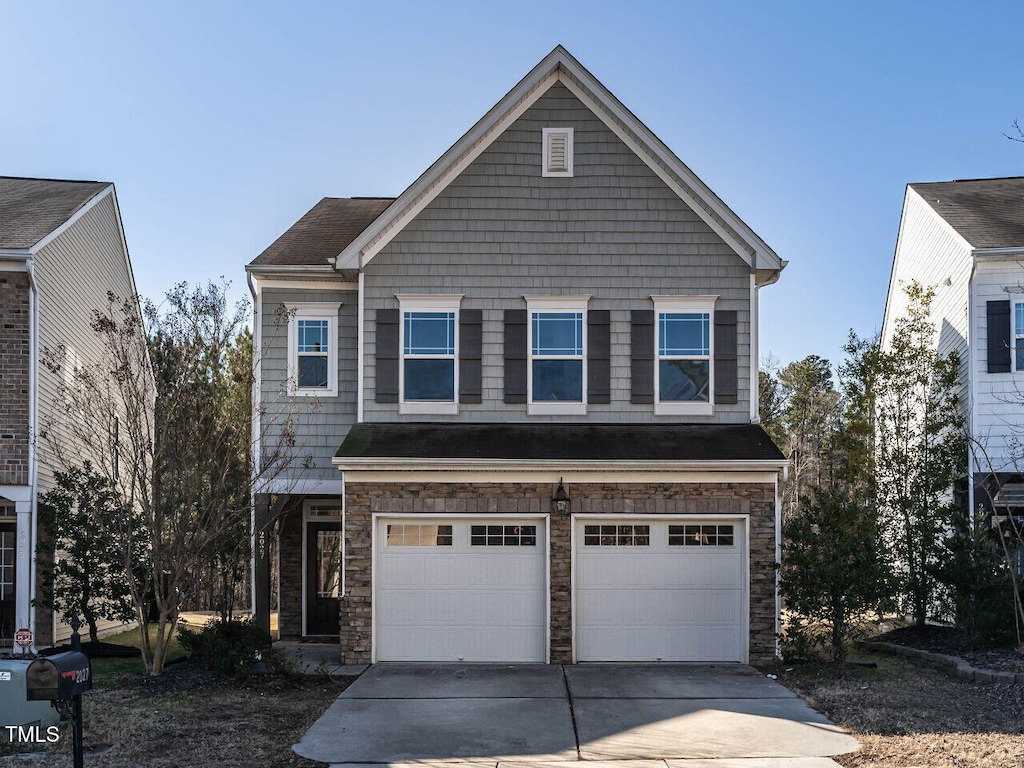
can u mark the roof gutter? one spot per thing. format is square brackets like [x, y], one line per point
[403, 464]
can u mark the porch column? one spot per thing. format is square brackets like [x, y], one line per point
[261, 561]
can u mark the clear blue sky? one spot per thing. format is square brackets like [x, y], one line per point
[222, 123]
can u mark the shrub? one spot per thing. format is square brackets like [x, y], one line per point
[231, 647]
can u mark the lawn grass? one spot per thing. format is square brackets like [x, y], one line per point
[108, 672]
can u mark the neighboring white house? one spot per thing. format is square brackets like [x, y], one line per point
[966, 239]
[62, 248]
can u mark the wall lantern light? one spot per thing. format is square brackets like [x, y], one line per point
[560, 501]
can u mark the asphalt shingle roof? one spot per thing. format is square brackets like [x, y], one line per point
[30, 209]
[323, 232]
[987, 213]
[554, 441]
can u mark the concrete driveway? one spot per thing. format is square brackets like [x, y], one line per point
[723, 715]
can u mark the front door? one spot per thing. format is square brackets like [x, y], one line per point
[8, 552]
[323, 577]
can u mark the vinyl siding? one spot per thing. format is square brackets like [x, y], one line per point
[320, 423]
[613, 230]
[73, 275]
[929, 251]
[998, 397]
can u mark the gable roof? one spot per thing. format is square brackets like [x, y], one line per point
[560, 66]
[31, 209]
[372, 442]
[323, 232]
[987, 213]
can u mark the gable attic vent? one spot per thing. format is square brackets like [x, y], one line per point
[558, 151]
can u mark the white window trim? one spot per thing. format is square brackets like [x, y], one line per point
[321, 310]
[684, 304]
[554, 304]
[412, 302]
[569, 152]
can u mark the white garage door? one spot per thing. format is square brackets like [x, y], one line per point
[460, 590]
[660, 590]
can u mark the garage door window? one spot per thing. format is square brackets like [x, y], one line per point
[400, 535]
[503, 535]
[700, 536]
[616, 535]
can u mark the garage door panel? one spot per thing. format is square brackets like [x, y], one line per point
[673, 602]
[653, 570]
[460, 601]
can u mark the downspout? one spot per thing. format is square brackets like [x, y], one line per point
[33, 420]
[360, 330]
[971, 394]
[257, 345]
[755, 364]
[778, 558]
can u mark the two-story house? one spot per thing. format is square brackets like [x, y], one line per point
[966, 240]
[62, 248]
[532, 402]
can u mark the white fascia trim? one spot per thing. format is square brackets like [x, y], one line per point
[551, 476]
[15, 264]
[999, 254]
[303, 285]
[552, 465]
[436, 178]
[271, 269]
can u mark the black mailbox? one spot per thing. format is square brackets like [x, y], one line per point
[57, 677]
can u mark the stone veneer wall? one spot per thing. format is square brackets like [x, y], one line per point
[289, 617]
[364, 499]
[14, 378]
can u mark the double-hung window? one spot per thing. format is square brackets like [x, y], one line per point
[313, 349]
[684, 378]
[428, 379]
[557, 379]
[1018, 336]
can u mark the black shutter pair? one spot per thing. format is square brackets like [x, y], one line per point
[726, 357]
[599, 356]
[470, 345]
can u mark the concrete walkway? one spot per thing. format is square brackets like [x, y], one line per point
[628, 715]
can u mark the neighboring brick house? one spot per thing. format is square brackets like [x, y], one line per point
[540, 365]
[61, 249]
[965, 239]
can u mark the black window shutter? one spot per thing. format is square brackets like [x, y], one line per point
[515, 356]
[726, 357]
[387, 356]
[998, 328]
[642, 354]
[470, 345]
[599, 353]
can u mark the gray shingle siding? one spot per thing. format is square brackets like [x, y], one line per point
[614, 230]
[320, 423]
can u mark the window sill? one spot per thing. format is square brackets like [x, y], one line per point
[313, 393]
[684, 409]
[441, 409]
[557, 409]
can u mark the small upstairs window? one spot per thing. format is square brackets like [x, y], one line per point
[558, 152]
[429, 381]
[313, 349]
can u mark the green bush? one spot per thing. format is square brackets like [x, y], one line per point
[231, 647]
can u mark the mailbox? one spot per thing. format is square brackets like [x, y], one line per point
[57, 677]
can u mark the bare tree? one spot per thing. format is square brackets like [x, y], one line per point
[166, 417]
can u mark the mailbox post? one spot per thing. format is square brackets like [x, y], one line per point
[62, 679]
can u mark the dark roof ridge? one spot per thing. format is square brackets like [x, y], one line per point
[61, 181]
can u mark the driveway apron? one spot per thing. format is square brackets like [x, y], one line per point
[527, 713]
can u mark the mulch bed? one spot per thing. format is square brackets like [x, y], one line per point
[950, 641]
